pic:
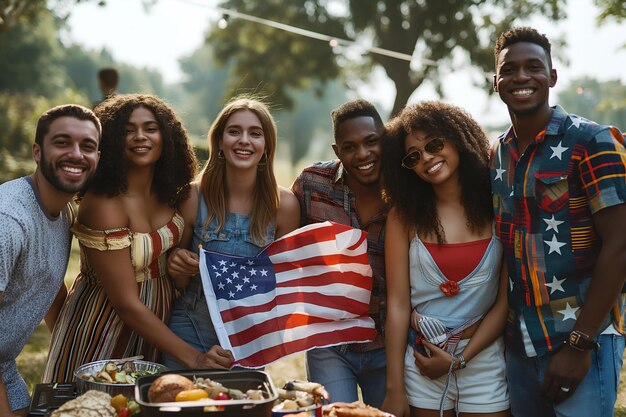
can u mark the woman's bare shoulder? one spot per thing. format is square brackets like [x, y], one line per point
[100, 212]
[288, 201]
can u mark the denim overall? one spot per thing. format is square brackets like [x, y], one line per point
[190, 319]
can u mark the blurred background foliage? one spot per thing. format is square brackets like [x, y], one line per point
[302, 78]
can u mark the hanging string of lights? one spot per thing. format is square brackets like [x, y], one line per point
[333, 41]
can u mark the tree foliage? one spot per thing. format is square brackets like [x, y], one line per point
[37, 71]
[430, 30]
[615, 9]
[205, 88]
[601, 101]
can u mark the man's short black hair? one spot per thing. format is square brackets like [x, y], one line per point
[523, 34]
[352, 109]
[65, 110]
[109, 77]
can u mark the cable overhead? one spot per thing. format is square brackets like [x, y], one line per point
[311, 34]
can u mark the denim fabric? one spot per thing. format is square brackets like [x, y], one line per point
[477, 291]
[595, 395]
[190, 319]
[341, 370]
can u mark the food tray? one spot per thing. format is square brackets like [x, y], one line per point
[48, 397]
[241, 380]
[128, 390]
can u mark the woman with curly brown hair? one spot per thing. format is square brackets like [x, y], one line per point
[129, 217]
[446, 293]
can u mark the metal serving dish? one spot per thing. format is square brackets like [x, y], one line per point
[242, 380]
[83, 385]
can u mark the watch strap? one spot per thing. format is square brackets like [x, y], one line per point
[581, 341]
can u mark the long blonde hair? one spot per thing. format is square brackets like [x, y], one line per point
[213, 175]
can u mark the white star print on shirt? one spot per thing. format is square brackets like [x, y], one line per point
[553, 224]
[511, 284]
[557, 151]
[555, 245]
[556, 285]
[569, 312]
[499, 172]
[576, 121]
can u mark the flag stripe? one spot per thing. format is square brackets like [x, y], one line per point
[312, 303]
[325, 335]
[310, 288]
[286, 322]
[320, 260]
[307, 235]
[328, 278]
[322, 248]
[313, 271]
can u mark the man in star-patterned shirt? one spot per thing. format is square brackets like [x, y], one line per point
[559, 188]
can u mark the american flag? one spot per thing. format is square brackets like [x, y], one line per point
[310, 288]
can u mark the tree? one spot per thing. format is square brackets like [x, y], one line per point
[432, 31]
[205, 94]
[615, 9]
[601, 101]
[14, 11]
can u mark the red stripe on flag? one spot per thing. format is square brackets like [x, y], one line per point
[334, 259]
[283, 323]
[272, 354]
[329, 278]
[309, 237]
[338, 302]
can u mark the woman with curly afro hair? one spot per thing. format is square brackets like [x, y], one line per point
[128, 219]
[446, 292]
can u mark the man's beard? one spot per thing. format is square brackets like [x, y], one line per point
[49, 172]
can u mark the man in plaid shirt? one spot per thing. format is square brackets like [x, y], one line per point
[348, 191]
[559, 187]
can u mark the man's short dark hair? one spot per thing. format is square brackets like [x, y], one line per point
[352, 109]
[523, 34]
[109, 77]
[65, 110]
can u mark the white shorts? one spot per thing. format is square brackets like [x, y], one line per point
[479, 388]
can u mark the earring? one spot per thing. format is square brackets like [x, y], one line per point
[262, 162]
[220, 154]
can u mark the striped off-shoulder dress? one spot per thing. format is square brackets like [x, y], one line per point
[88, 328]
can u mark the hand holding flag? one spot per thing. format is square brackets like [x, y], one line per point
[310, 288]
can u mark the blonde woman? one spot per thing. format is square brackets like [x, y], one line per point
[239, 210]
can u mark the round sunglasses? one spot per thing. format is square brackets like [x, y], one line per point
[433, 146]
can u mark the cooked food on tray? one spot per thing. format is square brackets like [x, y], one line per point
[175, 387]
[298, 395]
[165, 388]
[90, 404]
[112, 373]
[356, 409]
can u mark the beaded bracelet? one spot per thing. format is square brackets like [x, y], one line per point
[461, 359]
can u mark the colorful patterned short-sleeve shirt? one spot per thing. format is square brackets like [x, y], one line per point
[544, 200]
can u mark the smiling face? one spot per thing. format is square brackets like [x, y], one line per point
[523, 78]
[358, 148]
[243, 140]
[144, 142]
[436, 168]
[68, 155]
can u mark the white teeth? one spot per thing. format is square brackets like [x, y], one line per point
[365, 167]
[435, 167]
[72, 170]
[525, 92]
[141, 149]
[242, 152]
